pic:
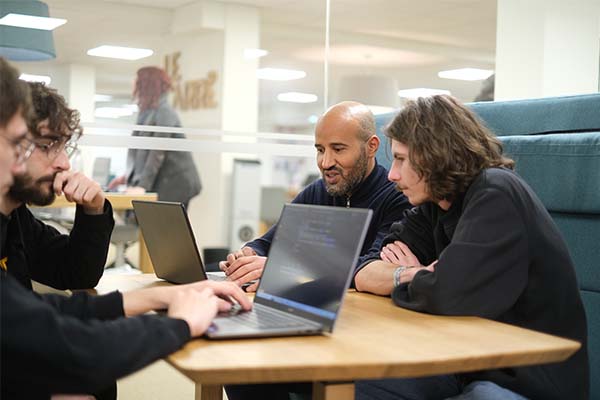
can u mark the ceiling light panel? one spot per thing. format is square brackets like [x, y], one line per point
[420, 92]
[121, 53]
[251, 54]
[297, 97]
[31, 21]
[279, 74]
[36, 78]
[466, 74]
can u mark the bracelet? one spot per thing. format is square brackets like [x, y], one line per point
[397, 273]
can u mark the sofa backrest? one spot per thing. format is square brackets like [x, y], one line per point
[555, 143]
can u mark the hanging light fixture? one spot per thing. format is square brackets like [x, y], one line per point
[24, 31]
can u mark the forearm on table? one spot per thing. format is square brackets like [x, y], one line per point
[142, 301]
[376, 277]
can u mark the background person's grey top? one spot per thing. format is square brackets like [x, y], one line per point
[171, 174]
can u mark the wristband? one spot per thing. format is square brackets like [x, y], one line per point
[397, 273]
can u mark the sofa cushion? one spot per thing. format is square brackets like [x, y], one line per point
[383, 153]
[541, 116]
[563, 169]
[591, 303]
[581, 232]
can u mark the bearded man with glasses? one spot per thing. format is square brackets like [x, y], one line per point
[33, 249]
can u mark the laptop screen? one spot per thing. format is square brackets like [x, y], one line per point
[312, 258]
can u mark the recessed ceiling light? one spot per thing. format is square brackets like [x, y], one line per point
[31, 21]
[113, 112]
[297, 97]
[420, 92]
[466, 74]
[101, 98]
[132, 107]
[35, 78]
[377, 110]
[279, 74]
[122, 53]
[313, 119]
[254, 53]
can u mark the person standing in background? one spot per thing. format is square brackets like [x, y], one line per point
[171, 174]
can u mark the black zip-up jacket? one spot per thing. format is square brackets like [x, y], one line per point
[37, 251]
[52, 344]
[500, 256]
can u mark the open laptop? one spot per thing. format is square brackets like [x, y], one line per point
[170, 241]
[308, 271]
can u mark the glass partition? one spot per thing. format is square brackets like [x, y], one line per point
[249, 81]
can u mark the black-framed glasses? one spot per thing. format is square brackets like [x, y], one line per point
[23, 148]
[52, 148]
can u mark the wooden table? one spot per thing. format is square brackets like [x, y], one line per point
[373, 339]
[120, 202]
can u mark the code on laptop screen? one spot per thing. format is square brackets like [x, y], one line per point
[312, 256]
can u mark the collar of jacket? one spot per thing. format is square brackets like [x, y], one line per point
[366, 189]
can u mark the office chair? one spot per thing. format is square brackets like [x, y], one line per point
[122, 236]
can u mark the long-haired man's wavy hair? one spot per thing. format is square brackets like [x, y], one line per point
[150, 84]
[448, 144]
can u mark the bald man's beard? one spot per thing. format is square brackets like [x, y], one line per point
[350, 182]
[26, 190]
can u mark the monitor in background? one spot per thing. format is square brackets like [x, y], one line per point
[101, 171]
[272, 200]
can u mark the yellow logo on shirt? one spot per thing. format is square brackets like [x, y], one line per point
[4, 263]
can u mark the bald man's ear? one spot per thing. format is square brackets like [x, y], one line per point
[372, 145]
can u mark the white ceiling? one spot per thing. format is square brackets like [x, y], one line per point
[406, 39]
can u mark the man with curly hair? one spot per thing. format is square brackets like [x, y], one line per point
[478, 243]
[34, 250]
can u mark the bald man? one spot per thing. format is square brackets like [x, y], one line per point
[346, 144]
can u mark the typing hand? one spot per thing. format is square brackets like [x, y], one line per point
[228, 292]
[116, 182]
[196, 307]
[135, 190]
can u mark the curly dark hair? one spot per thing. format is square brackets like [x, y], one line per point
[14, 94]
[48, 104]
[448, 144]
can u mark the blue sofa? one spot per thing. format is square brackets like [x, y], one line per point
[555, 143]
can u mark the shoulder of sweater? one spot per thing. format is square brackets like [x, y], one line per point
[500, 180]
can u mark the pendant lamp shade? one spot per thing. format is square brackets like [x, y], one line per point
[25, 44]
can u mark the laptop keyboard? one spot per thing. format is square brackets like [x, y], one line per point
[216, 276]
[265, 318]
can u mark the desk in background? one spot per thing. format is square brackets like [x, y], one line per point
[373, 339]
[120, 202]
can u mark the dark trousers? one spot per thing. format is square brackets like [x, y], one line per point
[274, 391]
[108, 393]
[428, 388]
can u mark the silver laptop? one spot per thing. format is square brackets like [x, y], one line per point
[308, 271]
[170, 241]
